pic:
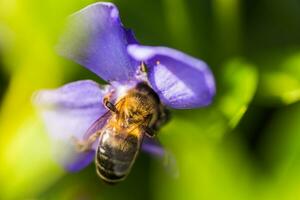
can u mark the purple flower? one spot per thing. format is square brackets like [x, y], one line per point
[96, 39]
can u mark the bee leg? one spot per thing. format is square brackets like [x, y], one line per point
[149, 132]
[109, 105]
[85, 145]
[165, 115]
[163, 118]
[80, 145]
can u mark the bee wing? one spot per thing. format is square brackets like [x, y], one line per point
[166, 157]
[79, 160]
[96, 127]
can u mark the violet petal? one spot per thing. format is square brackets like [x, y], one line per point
[181, 81]
[81, 161]
[96, 39]
[68, 112]
[153, 147]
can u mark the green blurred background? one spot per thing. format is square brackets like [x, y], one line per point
[245, 146]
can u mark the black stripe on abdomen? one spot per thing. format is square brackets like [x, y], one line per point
[114, 157]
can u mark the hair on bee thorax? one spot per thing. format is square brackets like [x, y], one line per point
[138, 106]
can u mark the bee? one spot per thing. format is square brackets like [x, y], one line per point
[121, 131]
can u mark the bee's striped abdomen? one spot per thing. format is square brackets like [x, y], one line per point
[115, 155]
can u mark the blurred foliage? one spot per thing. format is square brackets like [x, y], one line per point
[280, 82]
[238, 83]
[246, 145]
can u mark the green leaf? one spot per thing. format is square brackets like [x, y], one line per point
[237, 86]
[196, 138]
[27, 164]
[280, 80]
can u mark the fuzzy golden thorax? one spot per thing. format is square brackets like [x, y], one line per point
[137, 107]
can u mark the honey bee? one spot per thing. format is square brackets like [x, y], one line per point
[121, 130]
